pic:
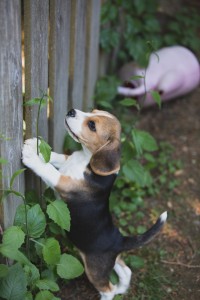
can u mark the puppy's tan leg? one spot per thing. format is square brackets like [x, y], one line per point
[98, 268]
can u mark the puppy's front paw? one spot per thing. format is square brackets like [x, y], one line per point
[32, 143]
[29, 157]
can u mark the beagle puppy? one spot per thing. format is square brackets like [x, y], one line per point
[84, 180]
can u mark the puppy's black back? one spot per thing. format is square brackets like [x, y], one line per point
[92, 229]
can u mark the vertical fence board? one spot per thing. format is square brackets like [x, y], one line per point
[36, 14]
[58, 72]
[11, 118]
[74, 33]
[92, 48]
[36, 17]
[77, 53]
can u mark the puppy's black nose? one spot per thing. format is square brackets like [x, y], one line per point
[71, 113]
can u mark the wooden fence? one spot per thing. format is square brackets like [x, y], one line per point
[60, 42]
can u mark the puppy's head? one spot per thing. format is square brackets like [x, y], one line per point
[99, 132]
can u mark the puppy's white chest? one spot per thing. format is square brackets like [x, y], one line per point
[75, 165]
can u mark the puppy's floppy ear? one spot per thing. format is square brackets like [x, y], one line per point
[106, 160]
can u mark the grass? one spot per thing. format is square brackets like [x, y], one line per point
[149, 279]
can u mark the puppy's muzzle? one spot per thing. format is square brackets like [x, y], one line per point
[71, 113]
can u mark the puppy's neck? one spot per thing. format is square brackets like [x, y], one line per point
[87, 153]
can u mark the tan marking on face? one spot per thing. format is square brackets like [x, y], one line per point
[102, 113]
[102, 141]
[107, 128]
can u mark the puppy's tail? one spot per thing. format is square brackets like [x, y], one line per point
[137, 241]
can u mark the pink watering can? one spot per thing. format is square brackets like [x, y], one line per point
[172, 72]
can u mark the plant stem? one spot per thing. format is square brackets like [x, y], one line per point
[26, 225]
[37, 122]
[37, 135]
[40, 244]
[145, 89]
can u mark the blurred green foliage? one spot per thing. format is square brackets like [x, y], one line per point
[128, 25]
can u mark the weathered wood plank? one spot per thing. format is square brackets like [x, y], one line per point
[11, 118]
[58, 72]
[36, 21]
[36, 15]
[93, 9]
[77, 53]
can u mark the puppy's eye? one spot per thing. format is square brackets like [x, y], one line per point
[92, 126]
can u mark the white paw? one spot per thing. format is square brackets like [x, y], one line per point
[32, 143]
[124, 274]
[29, 157]
[128, 272]
[108, 295]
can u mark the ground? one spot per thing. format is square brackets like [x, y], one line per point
[172, 269]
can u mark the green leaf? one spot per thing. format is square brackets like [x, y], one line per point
[128, 170]
[14, 237]
[31, 197]
[55, 229]
[51, 251]
[4, 138]
[13, 286]
[69, 267]
[105, 104]
[135, 172]
[29, 296]
[148, 142]
[141, 229]
[114, 278]
[49, 274]
[59, 213]
[118, 297]
[150, 158]
[47, 284]
[135, 261]
[137, 141]
[139, 6]
[130, 102]
[3, 161]
[49, 194]
[39, 244]
[14, 254]
[17, 173]
[45, 150]
[136, 77]
[20, 216]
[36, 221]
[3, 270]
[18, 194]
[32, 274]
[106, 89]
[36, 101]
[45, 295]
[6, 193]
[143, 141]
[138, 173]
[156, 97]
